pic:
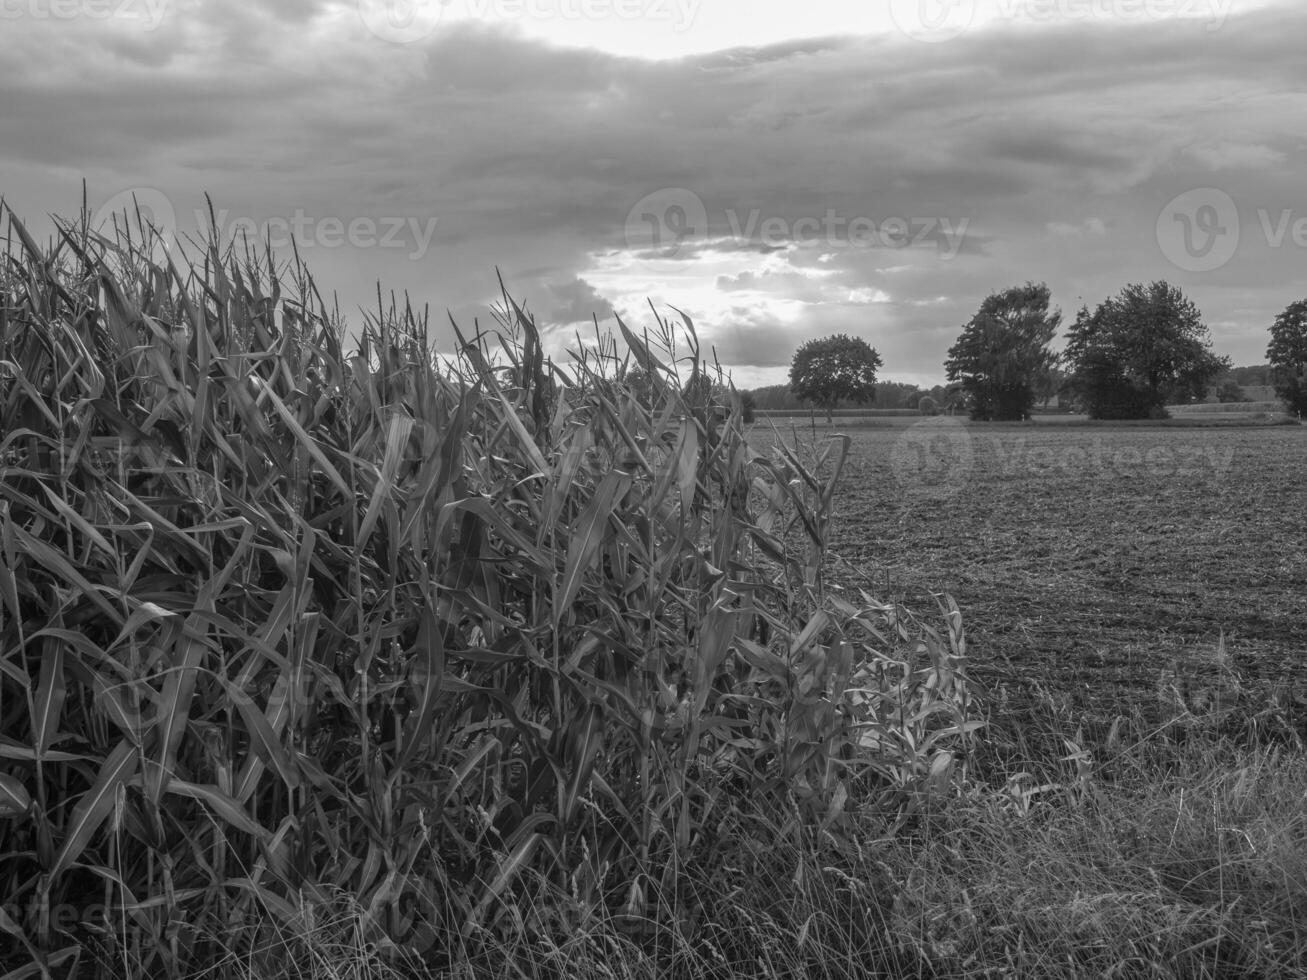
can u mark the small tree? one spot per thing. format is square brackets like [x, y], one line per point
[1139, 351]
[749, 406]
[927, 406]
[833, 370]
[1288, 355]
[1002, 357]
[1230, 391]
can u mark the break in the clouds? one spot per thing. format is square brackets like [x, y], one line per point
[776, 171]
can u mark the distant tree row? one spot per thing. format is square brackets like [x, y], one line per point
[888, 394]
[1134, 354]
[833, 370]
[1253, 376]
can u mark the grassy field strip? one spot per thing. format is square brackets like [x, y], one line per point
[1228, 408]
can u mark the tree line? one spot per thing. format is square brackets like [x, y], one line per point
[888, 394]
[1129, 358]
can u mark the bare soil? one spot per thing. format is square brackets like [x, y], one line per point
[1087, 559]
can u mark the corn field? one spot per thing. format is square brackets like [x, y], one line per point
[489, 646]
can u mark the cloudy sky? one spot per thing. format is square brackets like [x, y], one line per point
[777, 170]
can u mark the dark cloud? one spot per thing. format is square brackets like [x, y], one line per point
[752, 341]
[575, 301]
[531, 157]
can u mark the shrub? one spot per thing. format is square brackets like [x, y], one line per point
[1230, 391]
[748, 407]
[282, 622]
[1139, 351]
[928, 406]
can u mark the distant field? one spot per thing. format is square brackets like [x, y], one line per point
[1227, 408]
[1208, 418]
[1259, 393]
[842, 413]
[1087, 559]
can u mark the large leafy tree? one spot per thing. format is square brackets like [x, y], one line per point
[1139, 351]
[1002, 358]
[1288, 355]
[835, 369]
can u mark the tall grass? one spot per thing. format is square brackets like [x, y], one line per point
[293, 622]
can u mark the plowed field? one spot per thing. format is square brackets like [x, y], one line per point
[1087, 559]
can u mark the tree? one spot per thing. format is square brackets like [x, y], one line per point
[835, 369]
[774, 398]
[1288, 355]
[1002, 357]
[1259, 375]
[749, 406]
[1139, 351]
[1230, 391]
[897, 394]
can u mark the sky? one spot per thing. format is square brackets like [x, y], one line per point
[776, 171]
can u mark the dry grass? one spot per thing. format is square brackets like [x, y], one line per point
[1195, 866]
